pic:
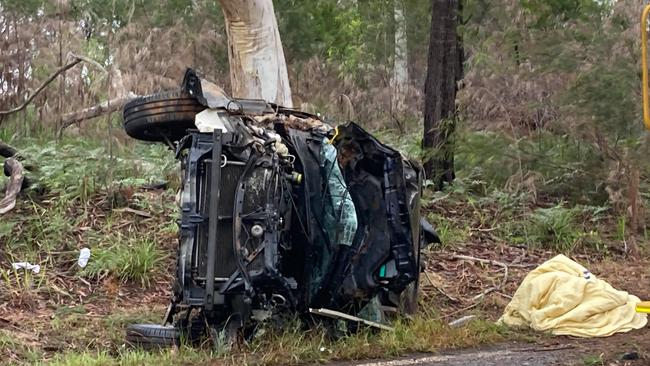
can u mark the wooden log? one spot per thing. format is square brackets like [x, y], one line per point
[105, 107]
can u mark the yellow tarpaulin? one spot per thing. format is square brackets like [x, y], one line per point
[564, 298]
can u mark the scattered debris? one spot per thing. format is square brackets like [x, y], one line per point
[35, 268]
[84, 256]
[462, 321]
[339, 315]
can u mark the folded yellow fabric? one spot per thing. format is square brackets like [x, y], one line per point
[563, 297]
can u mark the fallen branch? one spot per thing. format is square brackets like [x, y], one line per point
[58, 72]
[445, 294]
[15, 168]
[459, 310]
[105, 107]
[485, 292]
[492, 262]
[134, 211]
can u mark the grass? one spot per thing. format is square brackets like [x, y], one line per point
[130, 260]
[295, 345]
[83, 190]
[593, 361]
[554, 228]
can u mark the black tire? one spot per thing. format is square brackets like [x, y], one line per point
[159, 116]
[151, 336]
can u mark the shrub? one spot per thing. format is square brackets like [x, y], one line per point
[135, 260]
[555, 228]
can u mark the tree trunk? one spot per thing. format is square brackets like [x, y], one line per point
[440, 92]
[400, 66]
[257, 66]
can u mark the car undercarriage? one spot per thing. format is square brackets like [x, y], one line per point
[280, 215]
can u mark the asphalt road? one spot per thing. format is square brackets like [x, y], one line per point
[501, 357]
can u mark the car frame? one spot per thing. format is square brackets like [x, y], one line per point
[259, 234]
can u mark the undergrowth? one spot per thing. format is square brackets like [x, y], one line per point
[293, 344]
[87, 196]
[129, 260]
[540, 194]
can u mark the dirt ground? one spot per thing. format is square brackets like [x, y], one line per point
[69, 313]
[452, 284]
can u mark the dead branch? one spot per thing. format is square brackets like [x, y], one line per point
[460, 310]
[107, 106]
[15, 169]
[440, 290]
[58, 72]
[88, 60]
[492, 262]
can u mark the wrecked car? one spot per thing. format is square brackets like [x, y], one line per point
[280, 214]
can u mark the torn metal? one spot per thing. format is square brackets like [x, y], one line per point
[282, 214]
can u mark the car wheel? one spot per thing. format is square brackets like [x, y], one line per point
[150, 336]
[161, 116]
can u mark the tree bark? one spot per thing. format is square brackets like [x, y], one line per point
[107, 106]
[257, 66]
[440, 92]
[400, 66]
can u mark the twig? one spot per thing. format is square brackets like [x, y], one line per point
[134, 211]
[488, 261]
[88, 60]
[493, 262]
[460, 310]
[485, 292]
[504, 295]
[485, 230]
[453, 299]
[58, 72]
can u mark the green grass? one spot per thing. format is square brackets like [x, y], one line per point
[593, 361]
[129, 260]
[295, 345]
[82, 187]
[554, 228]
